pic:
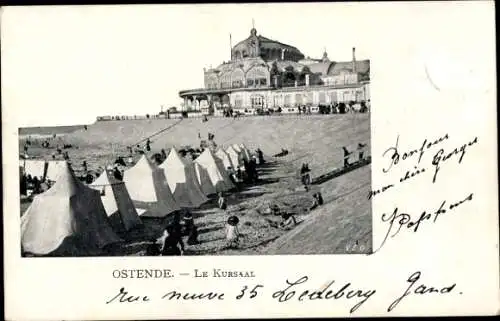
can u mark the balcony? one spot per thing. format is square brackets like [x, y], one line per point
[289, 86]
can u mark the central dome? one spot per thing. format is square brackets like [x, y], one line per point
[258, 46]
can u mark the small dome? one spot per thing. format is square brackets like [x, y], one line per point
[325, 57]
[253, 32]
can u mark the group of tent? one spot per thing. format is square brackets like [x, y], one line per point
[94, 213]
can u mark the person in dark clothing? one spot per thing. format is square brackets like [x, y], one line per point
[316, 202]
[24, 185]
[153, 249]
[163, 154]
[85, 127]
[120, 161]
[319, 198]
[247, 170]
[361, 149]
[260, 155]
[89, 179]
[148, 145]
[37, 185]
[117, 174]
[305, 176]
[221, 202]
[85, 167]
[254, 174]
[346, 156]
[172, 242]
[190, 229]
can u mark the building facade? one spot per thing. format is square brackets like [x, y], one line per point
[265, 75]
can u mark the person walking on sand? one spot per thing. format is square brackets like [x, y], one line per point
[221, 202]
[190, 229]
[346, 156]
[232, 232]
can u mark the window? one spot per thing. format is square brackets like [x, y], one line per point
[250, 82]
[263, 81]
[238, 102]
[322, 98]
[257, 101]
[236, 84]
[298, 99]
[288, 99]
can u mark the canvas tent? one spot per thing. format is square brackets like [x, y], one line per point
[235, 157]
[69, 210]
[54, 168]
[245, 151]
[204, 179]
[148, 188]
[35, 168]
[226, 160]
[117, 202]
[181, 178]
[214, 167]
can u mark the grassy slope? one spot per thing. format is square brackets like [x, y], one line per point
[345, 218]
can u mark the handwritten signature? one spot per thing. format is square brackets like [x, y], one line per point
[398, 220]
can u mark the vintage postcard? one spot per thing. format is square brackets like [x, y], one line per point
[250, 160]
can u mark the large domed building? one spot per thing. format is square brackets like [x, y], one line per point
[265, 74]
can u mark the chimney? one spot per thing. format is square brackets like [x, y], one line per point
[353, 59]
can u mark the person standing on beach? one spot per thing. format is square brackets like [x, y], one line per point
[172, 242]
[232, 232]
[221, 202]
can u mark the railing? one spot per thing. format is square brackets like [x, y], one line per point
[288, 85]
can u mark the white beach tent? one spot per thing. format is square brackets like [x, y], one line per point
[181, 178]
[214, 167]
[245, 151]
[148, 188]
[226, 160]
[235, 157]
[67, 209]
[54, 168]
[204, 179]
[35, 168]
[117, 202]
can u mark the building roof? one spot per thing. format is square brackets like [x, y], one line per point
[269, 43]
[283, 64]
[321, 67]
[362, 66]
[245, 64]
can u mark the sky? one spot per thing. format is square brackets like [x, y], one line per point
[67, 65]
[78, 62]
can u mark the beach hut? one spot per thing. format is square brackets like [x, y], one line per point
[117, 202]
[70, 213]
[211, 169]
[181, 177]
[149, 190]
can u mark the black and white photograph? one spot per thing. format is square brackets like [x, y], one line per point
[247, 137]
[250, 160]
